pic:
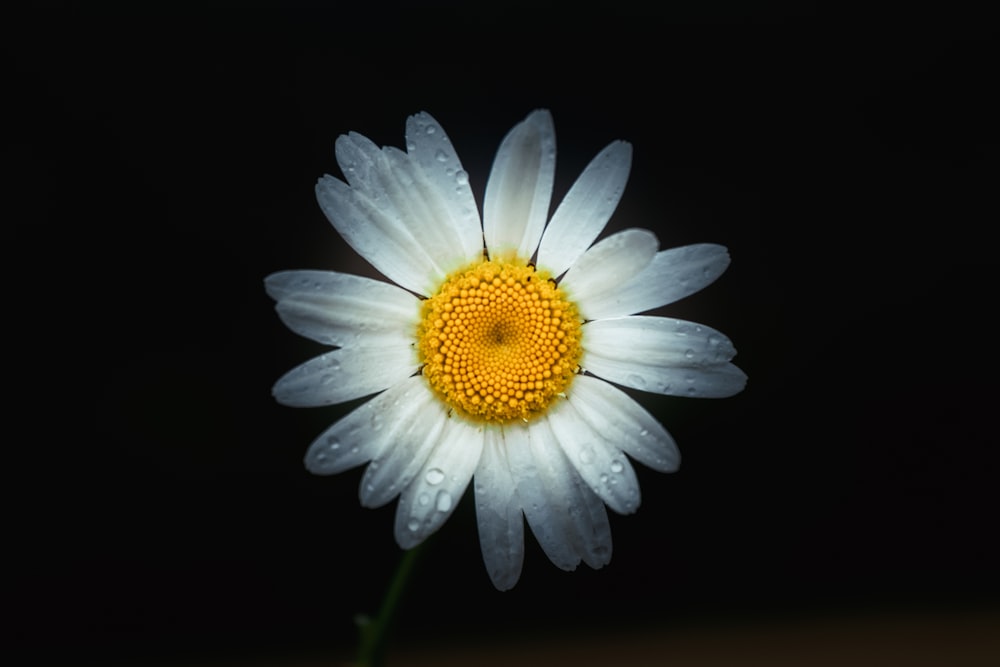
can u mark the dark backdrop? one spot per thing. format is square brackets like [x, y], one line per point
[162, 161]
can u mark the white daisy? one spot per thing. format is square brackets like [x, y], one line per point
[492, 356]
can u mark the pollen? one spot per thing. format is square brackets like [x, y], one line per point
[499, 342]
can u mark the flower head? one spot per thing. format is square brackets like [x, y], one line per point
[492, 357]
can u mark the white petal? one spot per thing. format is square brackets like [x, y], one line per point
[433, 495]
[414, 428]
[567, 519]
[423, 209]
[612, 413]
[598, 459]
[662, 355]
[585, 209]
[498, 514]
[345, 374]
[367, 431]
[430, 148]
[378, 237]
[597, 276]
[672, 275]
[342, 309]
[519, 190]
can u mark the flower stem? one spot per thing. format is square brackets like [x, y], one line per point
[375, 632]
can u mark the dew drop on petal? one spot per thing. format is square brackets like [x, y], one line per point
[441, 156]
[462, 177]
[430, 129]
[443, 501]
[617, 467]
[413, 525]
[586, 455]
[434, 476]
[423, 499]
[689, 353]
[636, 381]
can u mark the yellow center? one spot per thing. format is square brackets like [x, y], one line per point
[499, 342]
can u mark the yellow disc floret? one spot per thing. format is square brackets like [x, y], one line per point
[499, 341]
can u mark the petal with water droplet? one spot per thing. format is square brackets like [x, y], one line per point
[414, 431]
[567, 518]
[434, 152]
[662, 355]
[360, 436]
[671, 275]
[339, 308]
[498, 514]
[345, 374]
[614, 414]
[596, 277]
[606, 471]
[456, 455]
[516, 203]
[585, 209]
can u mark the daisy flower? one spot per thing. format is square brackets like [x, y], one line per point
[493, 359]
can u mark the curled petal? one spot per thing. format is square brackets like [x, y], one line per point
[498, 514]
[519, 190]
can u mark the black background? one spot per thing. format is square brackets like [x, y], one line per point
[161, 162]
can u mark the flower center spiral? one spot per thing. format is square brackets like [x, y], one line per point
[499, 341]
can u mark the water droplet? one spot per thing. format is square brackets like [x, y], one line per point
[430, 129]
[441, 156]
[332, 443]
[413, 524]
[636, 381]
[327, 379]
[643, 433]
[434, 476]
[462, 177]
[443, 501]
[410, 146]
[604, 478]
[586, 455]
[321, 457]
[689, 353]
[617, 467]
[423, 499]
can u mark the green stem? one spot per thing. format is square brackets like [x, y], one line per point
[375, 633]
